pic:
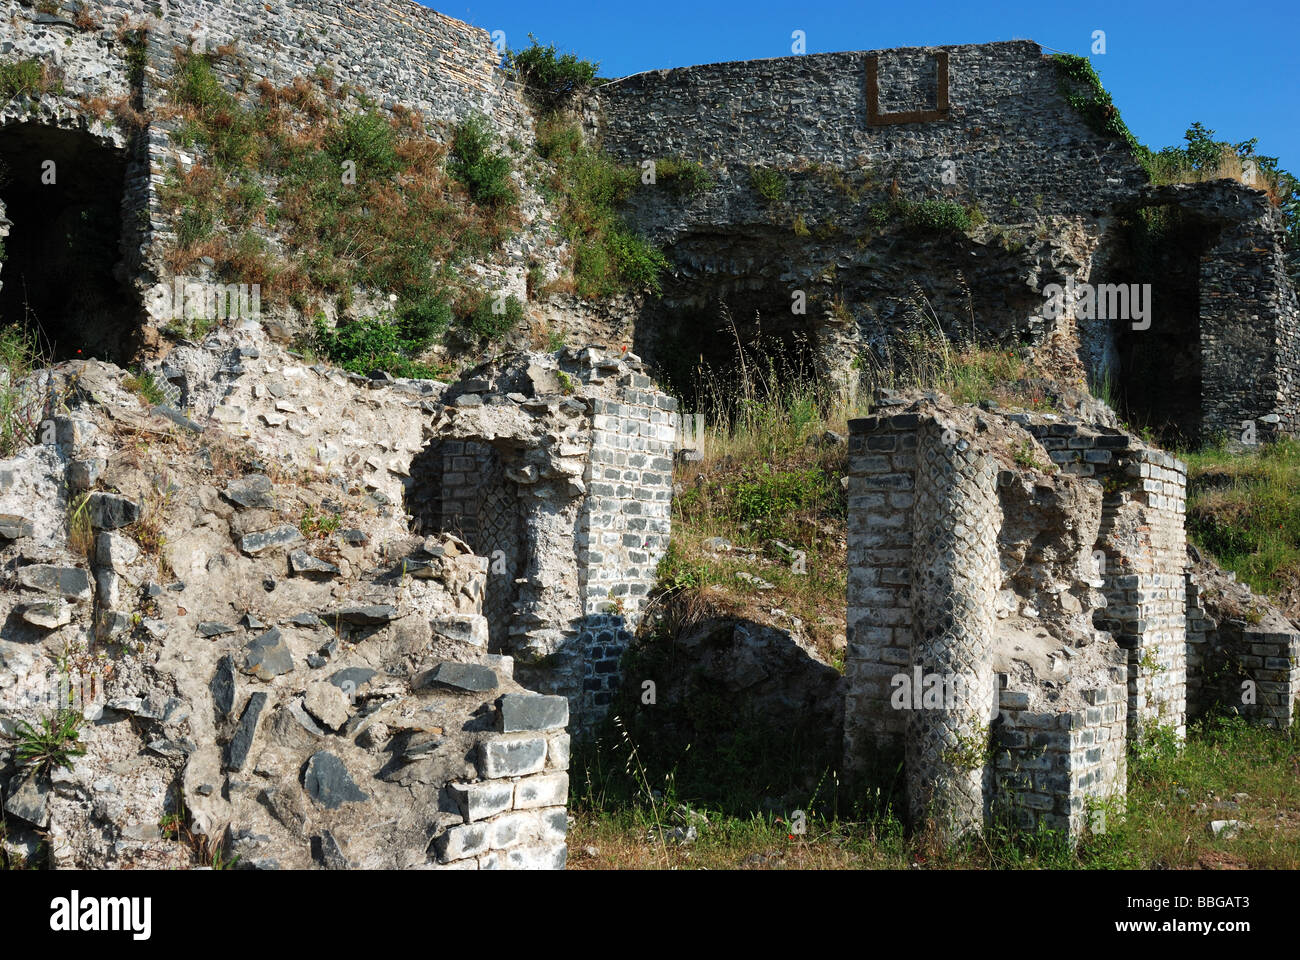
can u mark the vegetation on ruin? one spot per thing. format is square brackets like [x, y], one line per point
[588, 187]
[1243, 509]
[30, 77]
[551, 79]
[362, 199]
[20, 410]
[1083, 91]
[683, 178]
[627, 799]
[768, 183]
[49, 744]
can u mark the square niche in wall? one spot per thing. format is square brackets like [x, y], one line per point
[907, 86]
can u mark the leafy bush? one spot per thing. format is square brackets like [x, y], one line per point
[372, 343]
[768, 184]
[484, 172]
[551, 79]
[367, 139]
[933, 216]
[422, 321]
[488, 322]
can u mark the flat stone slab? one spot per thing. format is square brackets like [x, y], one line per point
[109, 511]
[255, 543]
[242, 741]
[523, 711]
[328, 783]
[472, 677]
[250, 493]
[371, 615]
[213, 628]
[48, 615]
[268, 656]
[72, 583]
[13, 527]
[300, 561]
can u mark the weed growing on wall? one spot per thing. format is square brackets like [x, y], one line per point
[589, 187]
[360, 199]
[551, 79]
[683, 178]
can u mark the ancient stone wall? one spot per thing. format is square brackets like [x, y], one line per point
[1142, 556]
[837, 165]
[953, 560]
[564, 466]
[1241, 660]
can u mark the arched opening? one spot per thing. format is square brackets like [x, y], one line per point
[62, 193]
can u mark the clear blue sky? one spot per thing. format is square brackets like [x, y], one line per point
[1234, 67]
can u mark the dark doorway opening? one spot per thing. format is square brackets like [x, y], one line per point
[58, 278]
[1160, 366]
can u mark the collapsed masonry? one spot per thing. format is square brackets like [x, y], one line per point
[268, 649]
[1013, 624]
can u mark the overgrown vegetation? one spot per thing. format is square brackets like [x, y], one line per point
[626, 806]
[1243, 508]
[768, 183]
[551, 79]
[1083, 91]
[21, 409]
[483, 172]
[31, 77]
[683, 178]
[589, 187]
[364, 201]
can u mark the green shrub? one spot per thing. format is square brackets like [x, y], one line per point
[369, 344]
[551, 79]
[683, 178]
[366, 139]
[768, 184]
[424, 320]
[490, 322]
[933, 216]
[483, 172]
[21, 78]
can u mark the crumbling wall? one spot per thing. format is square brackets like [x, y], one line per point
[1142, 556]
[1243, 656]
[273, 662]
[585, 441]
[839, 162]
[968, 565]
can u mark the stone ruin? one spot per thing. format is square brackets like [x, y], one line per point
[1032, 572]
[357, 620]
[315, 658]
